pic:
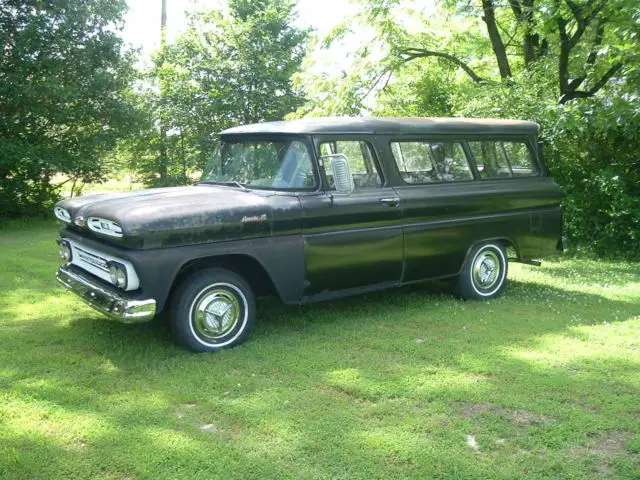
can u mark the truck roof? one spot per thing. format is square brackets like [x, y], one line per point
[386, 125]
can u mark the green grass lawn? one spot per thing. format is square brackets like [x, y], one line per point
[408, 383]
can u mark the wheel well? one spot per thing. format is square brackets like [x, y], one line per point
[508, 245]
[244, 265]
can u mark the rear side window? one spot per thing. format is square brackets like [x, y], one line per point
[503, 159]
[361, 162]
[428, 162]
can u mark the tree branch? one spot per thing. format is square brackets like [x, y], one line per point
[496, 41]
[591, 59]
[409, 54]
[517, 9]
[575, 10]
[597, 41]
[605, 78]
[523, 11]
[563, 61]
[583, 21]
[596, 87]
[375, 83]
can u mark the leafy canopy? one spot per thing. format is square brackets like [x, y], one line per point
[229, 67]
[63, 79]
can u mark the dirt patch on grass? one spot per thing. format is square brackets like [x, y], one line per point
[614, 442]
[473, 409]
[521, 417]
[604, 450]
[525, 417]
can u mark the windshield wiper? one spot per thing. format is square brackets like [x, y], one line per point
[232, 183]
[237, 184]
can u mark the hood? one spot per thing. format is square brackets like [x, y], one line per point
[161, 217]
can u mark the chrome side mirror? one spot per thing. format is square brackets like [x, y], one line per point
[342, 178]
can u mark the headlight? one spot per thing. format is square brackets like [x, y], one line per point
[113, 274]
[118, 275]
[65, 250]
[122, 278]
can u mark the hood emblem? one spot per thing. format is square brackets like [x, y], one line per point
[255, 218]
[80, 221]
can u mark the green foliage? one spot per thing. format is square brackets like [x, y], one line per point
[63, 83]
[594, 156]
[590, 149]
[573, 67]
[226, 69]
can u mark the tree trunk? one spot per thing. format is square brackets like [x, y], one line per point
[499, 49]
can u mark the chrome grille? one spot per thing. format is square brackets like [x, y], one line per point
[97, 263]
[89, 258]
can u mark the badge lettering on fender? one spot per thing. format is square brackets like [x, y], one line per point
[255, 218]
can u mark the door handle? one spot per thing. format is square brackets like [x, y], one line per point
[390, 201]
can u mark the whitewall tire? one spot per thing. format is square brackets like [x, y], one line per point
[212, 309]
[484, 273]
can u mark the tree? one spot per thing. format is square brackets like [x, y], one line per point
[228, 68]
[588, 44]
[63, 78]
[573, 66]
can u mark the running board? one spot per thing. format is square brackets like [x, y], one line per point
[535, 263]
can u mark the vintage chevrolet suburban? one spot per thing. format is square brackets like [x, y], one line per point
[311, 210]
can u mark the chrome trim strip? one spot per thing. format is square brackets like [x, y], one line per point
[106, 301]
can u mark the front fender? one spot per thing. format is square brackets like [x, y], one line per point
[281, 257]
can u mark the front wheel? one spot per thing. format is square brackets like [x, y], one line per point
[213, 309]
[484, 272]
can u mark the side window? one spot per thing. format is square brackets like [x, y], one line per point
[503, 159]
[428, 162]
[520, 158]
[361, 162]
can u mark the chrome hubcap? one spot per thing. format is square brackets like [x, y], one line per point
[486, 270]
[216, 313]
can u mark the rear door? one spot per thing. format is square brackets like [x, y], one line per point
[351, 241]
[438, 200]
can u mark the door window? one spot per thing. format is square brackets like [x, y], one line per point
[361, 162]
[428, 162]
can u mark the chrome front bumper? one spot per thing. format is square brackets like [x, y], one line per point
[106, 301]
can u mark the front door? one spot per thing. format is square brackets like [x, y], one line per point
[351, 241]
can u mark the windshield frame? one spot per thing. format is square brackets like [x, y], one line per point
[304, 139]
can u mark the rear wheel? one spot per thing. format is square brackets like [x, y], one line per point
[484, 272]
[213, 309]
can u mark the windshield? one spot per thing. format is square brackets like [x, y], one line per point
[274, 165]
